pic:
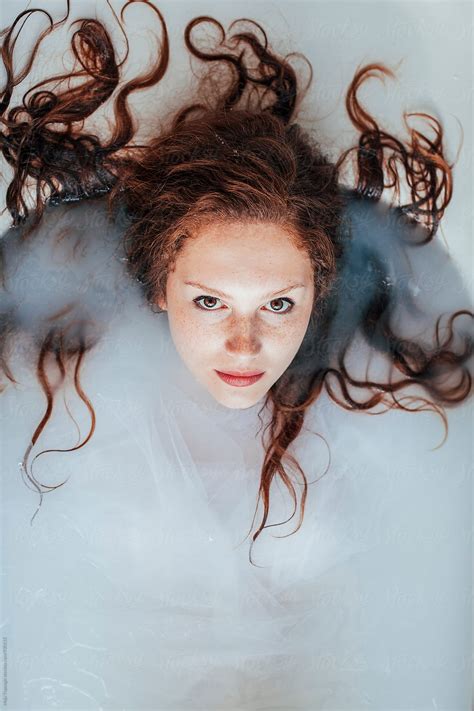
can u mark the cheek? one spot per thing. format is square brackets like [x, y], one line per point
[290, 342]
[189, 333]
[291, 334]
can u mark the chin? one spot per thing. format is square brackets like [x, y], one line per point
[239, 403]
[237, 406]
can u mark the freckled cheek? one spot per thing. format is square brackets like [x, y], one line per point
[182, 326]
[290, 338]
[192, 332]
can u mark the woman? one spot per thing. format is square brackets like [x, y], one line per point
[231, 208]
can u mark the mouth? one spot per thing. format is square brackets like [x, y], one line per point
[240, 380]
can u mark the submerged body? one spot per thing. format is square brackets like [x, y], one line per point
[132, 587]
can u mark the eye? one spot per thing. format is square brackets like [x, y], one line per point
[290, 303]
[207, 298]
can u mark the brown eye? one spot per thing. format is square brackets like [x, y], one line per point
[282, 300]
[206, 299]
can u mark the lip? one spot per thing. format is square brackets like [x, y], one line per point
[241, 373]
[240, 380]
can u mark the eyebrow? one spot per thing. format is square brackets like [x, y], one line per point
[291, 287]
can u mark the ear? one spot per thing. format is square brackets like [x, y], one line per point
[161, 303]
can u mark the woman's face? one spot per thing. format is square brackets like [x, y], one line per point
[239, 299]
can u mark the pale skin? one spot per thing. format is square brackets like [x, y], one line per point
[243, 319]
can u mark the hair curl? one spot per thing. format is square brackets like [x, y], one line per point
[236, 154]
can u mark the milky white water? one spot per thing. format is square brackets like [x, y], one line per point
[131, 587]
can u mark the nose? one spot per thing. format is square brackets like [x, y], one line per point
[243, 338]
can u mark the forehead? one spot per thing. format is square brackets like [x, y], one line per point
[258, 247]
